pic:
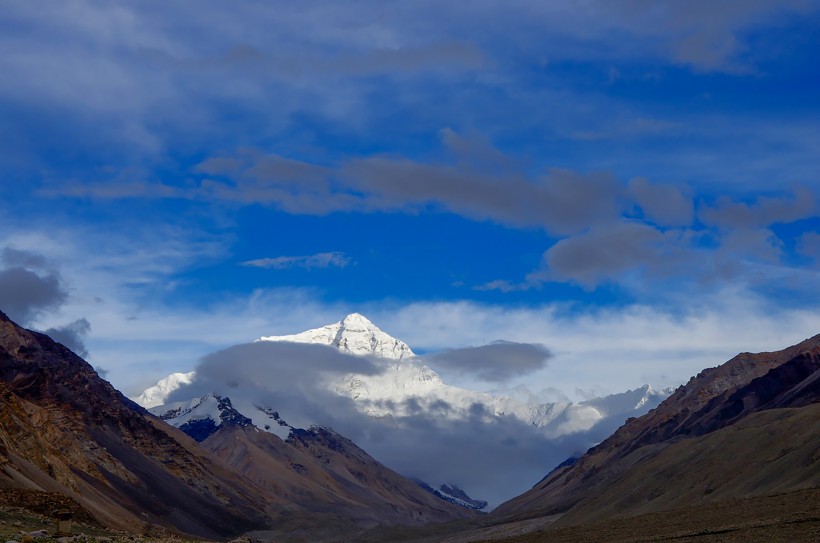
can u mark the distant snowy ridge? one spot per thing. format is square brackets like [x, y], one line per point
[407, 385]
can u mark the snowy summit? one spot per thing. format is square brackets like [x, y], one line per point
[354, 334]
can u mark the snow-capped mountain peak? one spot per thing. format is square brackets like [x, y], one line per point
[354, 334]
[406, 385]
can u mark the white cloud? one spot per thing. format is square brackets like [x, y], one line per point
[608, 349]
[319, 260]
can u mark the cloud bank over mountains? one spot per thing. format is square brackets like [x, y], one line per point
[435, 443]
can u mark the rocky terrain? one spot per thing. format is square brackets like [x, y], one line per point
[66, 432]
[779, 518]
[716, 399]
[734, 455]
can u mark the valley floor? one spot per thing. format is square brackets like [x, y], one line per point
[788, 517]
[28, 512]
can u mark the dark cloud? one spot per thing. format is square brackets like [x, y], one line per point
[71, 335]
[477, 181]
[28, 286]
[561, 201]
[25, 259]
[607, 230]
[809, 245]
[496, 362]
[664, 205]
[603, 254]
[492, 458]
[282, 364]
[763, 211]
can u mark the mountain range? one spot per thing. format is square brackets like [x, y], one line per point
[404, 388]
[732, 455]
[64, 429]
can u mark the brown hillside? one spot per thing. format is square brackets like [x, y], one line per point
[714, 399]
[66, 430]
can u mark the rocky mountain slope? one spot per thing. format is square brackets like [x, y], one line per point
[64, 429]
[311, 473]
[747, 427]
[328, 477]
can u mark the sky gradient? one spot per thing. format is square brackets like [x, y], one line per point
[633, 185]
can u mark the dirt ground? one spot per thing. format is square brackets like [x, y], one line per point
[790, 517]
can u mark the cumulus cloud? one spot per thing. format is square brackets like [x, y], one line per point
[727, 213]
[664, 205]
[497, 362]
[319, 260]
[29, 285]
[809, 245]
[603, 254]
[71, 335]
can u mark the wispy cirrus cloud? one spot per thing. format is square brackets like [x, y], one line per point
[319, 260]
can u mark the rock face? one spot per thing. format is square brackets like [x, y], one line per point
[746, 427]
[64, 429]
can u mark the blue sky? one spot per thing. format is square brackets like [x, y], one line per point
[633, 184]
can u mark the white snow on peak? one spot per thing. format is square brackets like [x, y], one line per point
[354, 334]
[207, 407]
[157, 394]
[407, 386]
